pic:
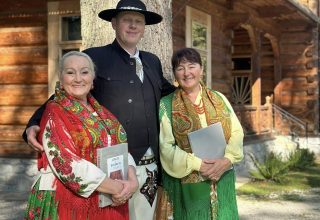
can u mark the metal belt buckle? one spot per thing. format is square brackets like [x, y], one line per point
[146, 161]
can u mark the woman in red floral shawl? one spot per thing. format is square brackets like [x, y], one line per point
[73, 127]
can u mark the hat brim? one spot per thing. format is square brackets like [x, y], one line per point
[150, 17]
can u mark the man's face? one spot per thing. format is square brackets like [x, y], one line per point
[129, 27]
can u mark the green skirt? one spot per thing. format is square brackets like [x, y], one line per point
[192, 201]
[41, 204]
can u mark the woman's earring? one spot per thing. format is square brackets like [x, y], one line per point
[175, 82]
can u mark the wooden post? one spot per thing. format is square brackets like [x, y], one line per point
[255, 38]
[270, 119]
[277, 68]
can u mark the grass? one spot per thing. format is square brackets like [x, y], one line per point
[296, 181]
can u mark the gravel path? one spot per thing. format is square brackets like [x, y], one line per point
[307, 208]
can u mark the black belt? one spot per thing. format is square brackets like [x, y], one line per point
[146, 161]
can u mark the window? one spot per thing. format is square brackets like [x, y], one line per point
[241, 87]
[241, 64]
[70, 28]
[64, 35]
[70, 34]
[198, 36]
[241, 90]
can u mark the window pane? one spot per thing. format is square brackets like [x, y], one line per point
[71, 28]
[199, 36]
[241, 63]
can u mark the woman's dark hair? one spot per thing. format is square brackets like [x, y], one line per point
[185, 54]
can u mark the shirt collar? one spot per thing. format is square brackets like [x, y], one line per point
[198, 99]
[136, 55]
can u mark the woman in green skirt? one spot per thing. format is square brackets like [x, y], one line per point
[195, 188]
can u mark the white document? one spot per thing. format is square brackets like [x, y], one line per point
[113, 161]
[209, 142]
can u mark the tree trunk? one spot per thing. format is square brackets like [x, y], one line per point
[94, 30]
[157, 38]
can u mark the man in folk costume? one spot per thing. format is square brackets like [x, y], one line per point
[130, 84]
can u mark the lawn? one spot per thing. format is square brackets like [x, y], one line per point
[295, 181]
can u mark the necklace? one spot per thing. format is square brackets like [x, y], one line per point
[199, 108]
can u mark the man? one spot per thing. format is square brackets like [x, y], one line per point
[130, 84]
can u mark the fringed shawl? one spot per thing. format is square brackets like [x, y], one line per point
[77, 133]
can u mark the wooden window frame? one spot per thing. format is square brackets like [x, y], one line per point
[56, 11]
[200, 18]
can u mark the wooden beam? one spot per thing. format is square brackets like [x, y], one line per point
[304, 11]
[274, 11]
[229, 4]
[23, 36]
[24, 74]
[234, 19]
[23, 55]
[17, 115]
[268, 28]
[9, 133]
[254, 19]
[277, 68]
[16, 149]
[19, 95]
[256, 42]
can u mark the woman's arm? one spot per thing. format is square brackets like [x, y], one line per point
[234, 148]
[175, 161]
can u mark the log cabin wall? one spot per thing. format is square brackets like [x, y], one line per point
[23, 69]
[299, 85]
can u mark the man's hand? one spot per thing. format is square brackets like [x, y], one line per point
[213, 169]
[32, 133]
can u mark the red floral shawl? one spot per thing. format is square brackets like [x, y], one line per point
[74, 129]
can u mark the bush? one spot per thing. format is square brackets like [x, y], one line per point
[273, 168]
[300, 159]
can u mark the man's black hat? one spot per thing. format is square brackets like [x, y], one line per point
[131, 5]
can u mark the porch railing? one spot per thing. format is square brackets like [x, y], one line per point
[285, 123]
[269, 120]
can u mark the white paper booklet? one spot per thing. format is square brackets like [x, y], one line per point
[113, 161]
[209, 142]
